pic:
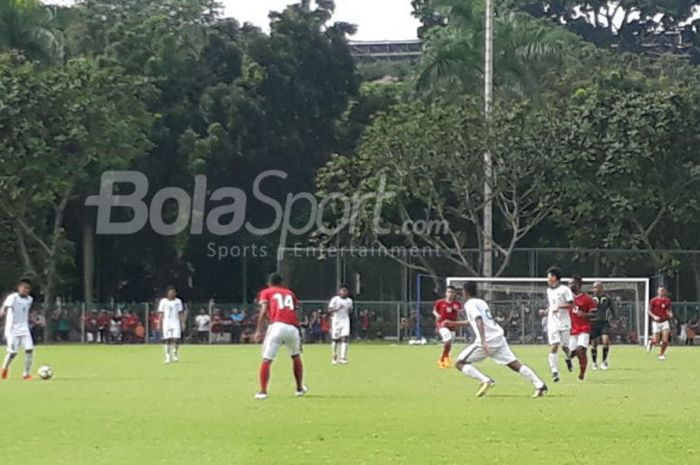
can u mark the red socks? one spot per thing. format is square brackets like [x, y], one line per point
[264, 375]
[298, 373]
[446, 351]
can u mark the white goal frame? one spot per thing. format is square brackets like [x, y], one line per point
[645, 281]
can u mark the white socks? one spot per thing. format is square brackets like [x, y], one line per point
[554, 363]
[168, 353]
[334, 350]
[529, 374]
[472, 371]
[343, 350]
[28, 359]
[8, 359]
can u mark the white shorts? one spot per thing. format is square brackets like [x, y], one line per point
[340, 328]
[281, 334]
[171, 332]
[15, 342]
[500, 354]
[446, 335]
[579, 340]
[559, 336]
[660, 327]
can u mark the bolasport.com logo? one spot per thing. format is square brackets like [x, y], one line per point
[222, 212]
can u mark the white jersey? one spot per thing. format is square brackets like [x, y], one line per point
[171, 310]
[16, 309]
[343, 307]
[559, 319]
[478, 308]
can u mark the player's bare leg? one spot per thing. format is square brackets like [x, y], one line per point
[9, 357]
[344, 345]
[264, 379]
[298, 368]
[665, 337]
[527, 373]
[470, 370]
[581, 354]
[653, 341]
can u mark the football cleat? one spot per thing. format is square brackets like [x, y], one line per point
[485, 388]
[541, 391]
[594, 367]
[662, 357]
[555, 377]
[27, 377]
[261, 396]
[5, 373]
[302, 392]
[605, 366]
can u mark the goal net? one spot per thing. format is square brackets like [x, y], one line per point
[515, 303]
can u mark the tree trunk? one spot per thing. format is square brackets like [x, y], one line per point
[88, 231]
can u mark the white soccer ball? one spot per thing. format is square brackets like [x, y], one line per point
[45, 372]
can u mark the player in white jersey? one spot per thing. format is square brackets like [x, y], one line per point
[560, 302]
[15, 309]
[490, 343]
[340, 308]
[171, 312]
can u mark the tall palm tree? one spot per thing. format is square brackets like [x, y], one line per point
[31, 27]
[526, 51]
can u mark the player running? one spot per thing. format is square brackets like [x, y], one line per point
[600, 329]
[278, 305]
[490, 343]
[16, 311]
[340, 308]
[584, 309]
[561, 300]
[171, 311]
[661, 314]
[444, 310]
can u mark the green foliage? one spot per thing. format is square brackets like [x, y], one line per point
[60, 128]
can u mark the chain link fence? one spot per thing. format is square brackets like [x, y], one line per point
[234, 323]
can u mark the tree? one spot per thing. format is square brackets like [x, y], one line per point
[637, 173]
[529, 53]
[59, 129]
[629, 26]
[426, 161]
[31, 28]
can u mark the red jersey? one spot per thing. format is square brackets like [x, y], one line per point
[447, 311]
[660, 306]
[580, 324]
[282, 304]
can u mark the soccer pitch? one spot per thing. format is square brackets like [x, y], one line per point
[392, 405]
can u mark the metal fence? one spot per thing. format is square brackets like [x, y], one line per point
[234, 323]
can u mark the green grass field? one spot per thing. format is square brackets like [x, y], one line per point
[392, 405]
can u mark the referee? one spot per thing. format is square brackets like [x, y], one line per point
[600, 331]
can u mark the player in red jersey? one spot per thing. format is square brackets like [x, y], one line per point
[446, 309]
[584, 309]
[278, 305]
[660, 314]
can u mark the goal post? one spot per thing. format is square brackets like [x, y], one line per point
[513, 298]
